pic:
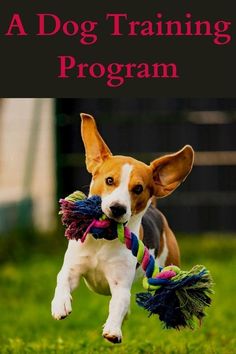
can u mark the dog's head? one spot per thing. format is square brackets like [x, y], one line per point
[127, 185]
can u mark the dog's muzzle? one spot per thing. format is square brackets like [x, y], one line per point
[118, 210]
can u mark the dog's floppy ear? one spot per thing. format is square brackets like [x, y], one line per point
[96, 150]
[170, 170]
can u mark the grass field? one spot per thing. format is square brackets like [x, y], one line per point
[26, 326]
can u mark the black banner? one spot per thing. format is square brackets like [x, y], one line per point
[117, 48]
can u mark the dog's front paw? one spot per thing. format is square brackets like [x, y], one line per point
[61, 307]
[112, 334]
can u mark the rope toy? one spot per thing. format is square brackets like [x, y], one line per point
[178, 297]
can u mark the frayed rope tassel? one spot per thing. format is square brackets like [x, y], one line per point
[178, 297]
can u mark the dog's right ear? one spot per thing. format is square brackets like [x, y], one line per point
[96, 150]
[171, 170]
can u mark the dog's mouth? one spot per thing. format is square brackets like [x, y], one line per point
[121, 219]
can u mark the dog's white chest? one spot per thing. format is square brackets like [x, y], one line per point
[100, 262]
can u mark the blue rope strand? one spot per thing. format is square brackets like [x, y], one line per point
[150, 267]
[134, 243]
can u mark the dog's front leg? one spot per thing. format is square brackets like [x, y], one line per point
[67, 280]
[120, 286]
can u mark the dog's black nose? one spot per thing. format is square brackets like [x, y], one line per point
[118, 210]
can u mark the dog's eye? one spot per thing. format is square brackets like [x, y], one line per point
[109, 181]
[138, 189]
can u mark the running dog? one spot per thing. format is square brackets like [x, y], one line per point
[128, 189]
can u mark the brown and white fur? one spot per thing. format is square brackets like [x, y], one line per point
[127, 188]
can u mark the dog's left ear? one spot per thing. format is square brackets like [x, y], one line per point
[171, 170]
[96, 149]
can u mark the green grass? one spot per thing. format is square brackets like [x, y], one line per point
[26, 326]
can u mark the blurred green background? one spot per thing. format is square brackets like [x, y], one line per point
[42, 158]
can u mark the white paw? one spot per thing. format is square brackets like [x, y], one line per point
[61, 306]
[112, 333]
